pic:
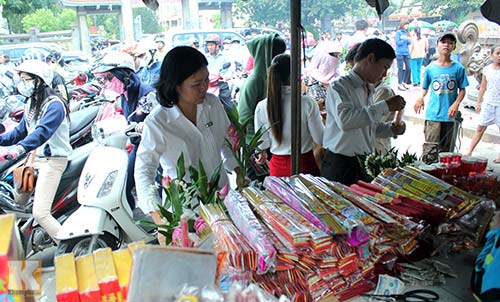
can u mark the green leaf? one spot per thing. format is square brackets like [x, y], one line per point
[191, 225]
[202, 183]
[165, 213]
[193, 173]
[181, 169]
[147, 223]
[214, 179]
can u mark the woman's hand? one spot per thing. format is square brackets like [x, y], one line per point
[8, 154]
[261, 158]
[159, 221]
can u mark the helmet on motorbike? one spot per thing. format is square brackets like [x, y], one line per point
[213, 38]
[38, 68]
[113, 60]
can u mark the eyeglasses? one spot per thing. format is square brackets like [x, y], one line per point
[24, 80]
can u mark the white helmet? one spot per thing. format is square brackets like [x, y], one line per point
[115, 59]
[38, 68]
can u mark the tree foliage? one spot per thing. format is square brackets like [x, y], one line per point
[15, 10]
[149, 20]
[456, 10]
[265, 12]
[46, 20]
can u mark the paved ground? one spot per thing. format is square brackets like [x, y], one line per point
[413, 139]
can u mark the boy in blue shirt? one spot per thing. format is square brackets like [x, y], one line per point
[447, 81]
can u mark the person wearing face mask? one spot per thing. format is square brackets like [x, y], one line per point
[147, 66]
[137, 99]
[44, 128]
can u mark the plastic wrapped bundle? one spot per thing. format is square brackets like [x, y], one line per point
[250, 227]
[228, 238]
[285, 193]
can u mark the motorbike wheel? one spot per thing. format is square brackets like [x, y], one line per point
[80, 246]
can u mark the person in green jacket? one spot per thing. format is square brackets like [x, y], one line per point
[263, 49]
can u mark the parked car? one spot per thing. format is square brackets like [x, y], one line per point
[17, 51]
[184, 37]
[251, 32]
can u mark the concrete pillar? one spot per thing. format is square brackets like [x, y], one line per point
[138, 28]
[76, 37]
[127, 21]
[190, 13]
[226, 15]
[84, 30]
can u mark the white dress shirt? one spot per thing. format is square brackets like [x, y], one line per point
[168, 133]
[353, 120]
[311, 126]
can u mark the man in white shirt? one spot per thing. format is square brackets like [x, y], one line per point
[360, 35]
[353, 119]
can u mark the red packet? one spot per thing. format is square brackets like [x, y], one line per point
[106, 276]
[87, 281]
[123, 266]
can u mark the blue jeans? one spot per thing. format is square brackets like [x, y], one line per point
[416, 69]
[403, 71]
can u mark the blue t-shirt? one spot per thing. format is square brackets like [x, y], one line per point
[443, 83]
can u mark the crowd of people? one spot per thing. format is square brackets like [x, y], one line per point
[348, 108]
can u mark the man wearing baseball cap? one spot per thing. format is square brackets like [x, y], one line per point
[446, 80]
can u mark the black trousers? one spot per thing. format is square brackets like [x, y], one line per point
[344, 169]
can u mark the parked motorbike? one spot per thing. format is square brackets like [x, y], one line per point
[35, 238]
[104, 218]
[218, 86]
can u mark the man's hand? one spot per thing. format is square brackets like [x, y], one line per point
[398, 129]
[419, 105]
[395, 103]
[452, 111]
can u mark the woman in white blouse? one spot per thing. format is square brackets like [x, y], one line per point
[189, 120]
[275, 113]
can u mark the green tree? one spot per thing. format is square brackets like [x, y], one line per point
[109, 22]
[46, 20]
[15, 10]
[314, 13]
[263, 12]
[149, 20]
[455, 10]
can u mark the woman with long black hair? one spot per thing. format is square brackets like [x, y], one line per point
[44, 129]
[275, 112]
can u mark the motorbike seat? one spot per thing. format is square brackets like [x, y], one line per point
[81, 119]
[76, 160]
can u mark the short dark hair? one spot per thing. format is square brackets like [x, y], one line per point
[361, 25]
[178, 65]
[380, 48]
[351, 54]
